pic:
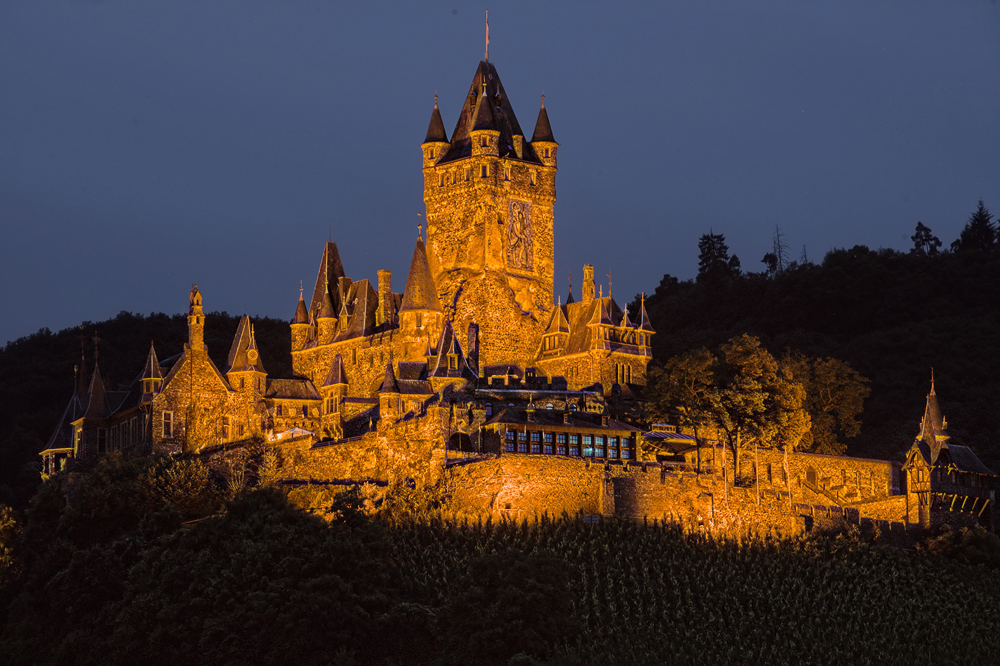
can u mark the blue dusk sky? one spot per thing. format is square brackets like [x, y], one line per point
[145, 146]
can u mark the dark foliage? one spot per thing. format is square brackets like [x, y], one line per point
[36, 376]
[891, 315]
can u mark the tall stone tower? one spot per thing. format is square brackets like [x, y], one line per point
[490, 195]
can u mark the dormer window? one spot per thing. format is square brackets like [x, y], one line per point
[452, 362]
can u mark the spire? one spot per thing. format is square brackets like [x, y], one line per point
[301, 313]
[932, 426]
[626, 322]
[558, 322]
[326, 310]
[389, 384]
[328, 277]
[420, 293]
[543, 131]
[643, 317]
[97, 405]
[152, 369]
[435, 131]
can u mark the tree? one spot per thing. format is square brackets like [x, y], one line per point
[835, 396]
[714, 261]
[756, 401]
[979, 234]
[924, 242]
[681, 391]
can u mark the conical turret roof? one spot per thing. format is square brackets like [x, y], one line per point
[152, 369]
[301, 313]
[326, 310]
[389, 384]
[97, 404]
[420, 293]
[543, 131]
[643, 317]
[327, 280]
[435, 130]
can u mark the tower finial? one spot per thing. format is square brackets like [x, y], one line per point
[610, 283]
[300, 290]
[932, 380]
[435, 99]
[420, 228]
[487, 35]
[543, 99]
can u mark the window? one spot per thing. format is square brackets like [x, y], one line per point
[484, 171]
[467, 174]
[489, 409]
[441, 180]
[546, 152]
[452, 362]
[225, 427]
[278, 411]
[588, 445]
[240, 429]
[506, 173]
[612, 452]
[536, 445]
[484, 142]
[305, 411]
[574, 445]
[770, 479]
[548, 443]
[168, 424]
[626, 454]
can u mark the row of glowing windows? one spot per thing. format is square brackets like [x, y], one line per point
[484, 172]
[562, 444]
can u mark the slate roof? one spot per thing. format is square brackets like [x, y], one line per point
[328, 277]
[543, 131]
[97, 405]
[389, 384]
[448, 344]
[420, 292]
[487, 107]
[301, 313]
[152, 369]
[435, 130]
[291, 389]
[243, 342]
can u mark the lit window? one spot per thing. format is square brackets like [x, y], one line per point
[588, 445]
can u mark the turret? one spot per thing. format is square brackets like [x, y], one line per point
[245, 371]
[420, 314]
[435, 144]
[542, 140]
[152, 377]
[196, 321]
[300, 324]
[326, 320]
[388, 395]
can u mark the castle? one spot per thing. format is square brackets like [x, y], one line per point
[478, 378]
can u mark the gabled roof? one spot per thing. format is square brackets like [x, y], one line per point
[487, 107]
[243, 354]
[557, 322]
[435, 130]
[448, 345]
[412, 370]
[336, 374]
[62, 435]
[420, 292]
[330, 272]
[543, 131]
[179, 363]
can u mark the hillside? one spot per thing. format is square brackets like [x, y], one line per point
[36, 376]
[892, 315]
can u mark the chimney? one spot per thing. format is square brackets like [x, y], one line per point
[384, 298]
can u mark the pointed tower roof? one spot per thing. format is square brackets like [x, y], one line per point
[336, 374]
[558, 322]
[435, 131]
[448, 344]
[643, 317]
[487, 107]
[326, 310]
[330, 272]
[932, 430]
[601, 315]
[243, 354]
[420, 293]
[389, 384]
[152, 369]
[97, 405]
[301, 313]
[626, 322]
[543, 131]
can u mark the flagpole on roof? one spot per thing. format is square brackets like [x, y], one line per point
[487, 35]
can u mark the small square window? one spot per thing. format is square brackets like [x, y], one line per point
[574, 450]
[561, 438]
[536, 436]
[510, 446]
[561, 449]
[522, 447]
[548, 437]
[548, 448]
[536, 447]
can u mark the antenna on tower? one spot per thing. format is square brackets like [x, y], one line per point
[487, 35]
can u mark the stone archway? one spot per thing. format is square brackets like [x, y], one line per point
[461, 442]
